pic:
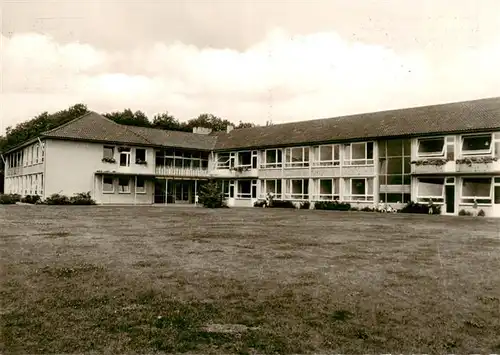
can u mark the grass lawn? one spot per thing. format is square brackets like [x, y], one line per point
[164, 279]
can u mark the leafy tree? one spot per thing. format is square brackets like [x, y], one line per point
[167, 122]
[127, 117]
[211, 195]
[41, 123]
[208, 121]
[245, 125]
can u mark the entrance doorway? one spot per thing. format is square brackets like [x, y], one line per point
[176, 191]
[450, 195]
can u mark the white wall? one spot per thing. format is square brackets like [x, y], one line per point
[70, 166]
[125, 198]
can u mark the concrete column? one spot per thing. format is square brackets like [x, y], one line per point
[166, 191]
[135, 190]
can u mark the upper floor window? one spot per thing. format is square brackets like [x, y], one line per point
[476, 144]
[245, 159]
[124, 156]
[223, 160]
[297, 157]
[431, 147]
[328, 155]
[140, 155]
[273, 158]
[108, 152]
[358, 153]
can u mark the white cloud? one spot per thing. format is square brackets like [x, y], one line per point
[282, 78]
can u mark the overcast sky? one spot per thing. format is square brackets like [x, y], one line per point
[245, 60]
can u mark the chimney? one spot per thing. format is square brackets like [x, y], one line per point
[202, 130]
[229, 128]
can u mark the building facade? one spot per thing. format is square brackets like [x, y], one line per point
[449, 153]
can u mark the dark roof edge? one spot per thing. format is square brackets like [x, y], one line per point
[23, 144]
[358, 139]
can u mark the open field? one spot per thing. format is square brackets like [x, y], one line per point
[151, 279]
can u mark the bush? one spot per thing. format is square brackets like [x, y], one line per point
[211, 195]
[82, 198]
[413, 207]
[368, 209]
[57, 199]
[481, 213]
[332, 206]
[259, 203]
[9, 199]
[464, 213]
[305, 205]
[282, 204]
[31, 199]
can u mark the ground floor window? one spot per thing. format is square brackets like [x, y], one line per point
[247, 189]
[394, 197]
[124, 185]
[297, 189]
[476, 189]
[107, 184]
[328, 189]
[140, 185]
[430, 188]
[359, 189]
[272, 186]
[497, 191]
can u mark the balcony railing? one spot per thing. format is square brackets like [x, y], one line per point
[170, 171]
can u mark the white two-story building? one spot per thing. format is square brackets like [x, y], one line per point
[448, 153]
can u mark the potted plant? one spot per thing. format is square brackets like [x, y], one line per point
[108, 160]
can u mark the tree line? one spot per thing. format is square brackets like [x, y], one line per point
[47, 121]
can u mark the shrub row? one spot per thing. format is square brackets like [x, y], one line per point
[82, 198]
[410, 207]
[481, 213]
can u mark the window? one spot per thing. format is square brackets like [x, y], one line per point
[329, 189]
[273, 158]
[108, 152]
[478, 189]
[431, 147]
[140, 155]
[359, 189]
[297, 189]
[245, 159]
[124, 185]
[297, 157]
[358, 153]
[477, 144]
[140, 186]
[223, 160]
[244, 189]
[430, 188]
[107, 184]
[37, 150]
[225, 188]
[271, 186]
[125, 157]
[395, 198]
[328, 155]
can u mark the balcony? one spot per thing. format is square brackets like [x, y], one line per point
[235, 172]
[181, 172]
[432, 166]
[485, 164]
